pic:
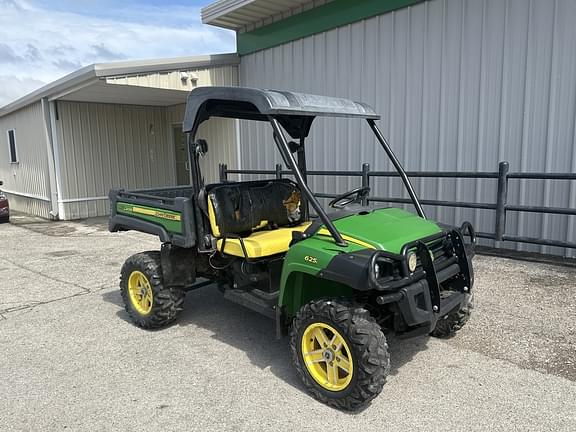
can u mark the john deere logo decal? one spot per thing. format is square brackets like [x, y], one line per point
[156, 213]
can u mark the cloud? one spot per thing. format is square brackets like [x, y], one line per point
[13, 87]
[102, 52]
[7, 54]
[42, 41]
[64, 64]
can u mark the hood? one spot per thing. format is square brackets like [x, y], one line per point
[386, 229]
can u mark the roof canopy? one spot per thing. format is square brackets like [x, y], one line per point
[90, 84]
[295, 111]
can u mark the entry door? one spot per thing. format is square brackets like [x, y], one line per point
[181, 152]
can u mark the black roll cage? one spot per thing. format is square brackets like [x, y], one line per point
[293, 112]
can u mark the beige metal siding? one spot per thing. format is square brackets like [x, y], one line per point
[220, 133]
[104, 146]
[217, 76]
[221, 137]
[26, 182]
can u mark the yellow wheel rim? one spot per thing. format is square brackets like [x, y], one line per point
[140, 292]
[327, 356]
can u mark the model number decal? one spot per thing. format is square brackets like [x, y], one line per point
[311, 259]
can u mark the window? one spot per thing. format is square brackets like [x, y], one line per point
[12, 146]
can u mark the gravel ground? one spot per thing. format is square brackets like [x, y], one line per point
[69, 358]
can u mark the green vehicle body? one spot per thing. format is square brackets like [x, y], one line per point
[384, 229]
[168, 219]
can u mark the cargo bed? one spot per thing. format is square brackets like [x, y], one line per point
[165, 212]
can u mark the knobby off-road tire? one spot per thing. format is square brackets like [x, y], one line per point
[163, 304]
[361, 335]
[448, 326]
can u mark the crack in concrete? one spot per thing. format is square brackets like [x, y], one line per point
[32, 305]
[39, 303]
[87, 290]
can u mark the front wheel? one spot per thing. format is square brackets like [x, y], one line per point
[340, 353]
[448, 325]
[149, 303]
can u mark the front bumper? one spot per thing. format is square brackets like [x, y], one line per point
[420, 300]
[440, 283]
[417, 310]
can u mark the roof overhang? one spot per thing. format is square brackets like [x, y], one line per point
[100, 91]
[235, 14]
[89, 83]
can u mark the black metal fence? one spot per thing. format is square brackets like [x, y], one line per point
[501, 207]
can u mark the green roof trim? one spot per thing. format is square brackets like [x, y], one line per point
[326, 17]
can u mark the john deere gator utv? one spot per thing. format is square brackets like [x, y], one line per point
[333, 281]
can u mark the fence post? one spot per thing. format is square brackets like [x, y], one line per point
[278, 171]
[365, 181]
[223, 170]
[501, 199]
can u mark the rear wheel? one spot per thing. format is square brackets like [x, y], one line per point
[451, 323]
[148, 302]
[340, 353]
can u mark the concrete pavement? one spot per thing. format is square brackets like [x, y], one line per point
[69, 358]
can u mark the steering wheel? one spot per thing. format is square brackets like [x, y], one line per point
[346, 198]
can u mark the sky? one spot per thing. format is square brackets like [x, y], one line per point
[42, 40]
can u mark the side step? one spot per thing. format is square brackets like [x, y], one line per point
[257, 300]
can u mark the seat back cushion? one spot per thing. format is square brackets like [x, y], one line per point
[237, 208]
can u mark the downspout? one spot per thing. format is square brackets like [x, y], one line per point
[56, 146]
[54, 190]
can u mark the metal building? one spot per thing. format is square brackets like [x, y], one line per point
[108, 125]
[460, 84]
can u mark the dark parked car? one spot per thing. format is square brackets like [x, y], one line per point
[4, 207]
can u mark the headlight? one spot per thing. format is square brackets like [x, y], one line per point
[412, 261]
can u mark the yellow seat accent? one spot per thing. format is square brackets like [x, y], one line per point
[262, 243]
[212, 218]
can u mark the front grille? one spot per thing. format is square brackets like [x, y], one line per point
[443, 254]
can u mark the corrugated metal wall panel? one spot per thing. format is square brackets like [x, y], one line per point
[103, 146]
[460, 84]
[222, 75]
[112, 145]
[221, 137]
[30, 175]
